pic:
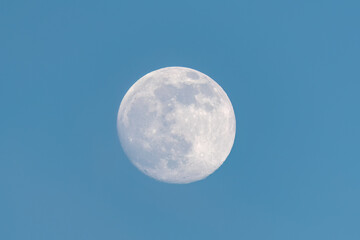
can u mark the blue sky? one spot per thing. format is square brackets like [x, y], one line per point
[290, 68]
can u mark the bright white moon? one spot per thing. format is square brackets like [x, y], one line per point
[176, 125]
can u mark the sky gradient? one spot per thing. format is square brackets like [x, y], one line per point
[290, 68]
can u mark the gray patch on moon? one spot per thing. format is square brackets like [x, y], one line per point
[192, 75]
[208, 107]
[172, 164]
[185, 94]
[207, 90]
[173, 151]
[143, 120]
[165, 93]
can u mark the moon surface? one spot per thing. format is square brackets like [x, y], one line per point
[176, 125]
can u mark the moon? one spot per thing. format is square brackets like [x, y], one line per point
[176, 125]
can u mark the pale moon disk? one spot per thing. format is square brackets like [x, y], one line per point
[176, 125]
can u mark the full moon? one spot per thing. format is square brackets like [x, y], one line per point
[176, 125]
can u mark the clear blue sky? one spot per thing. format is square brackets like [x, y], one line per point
[290, 68]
